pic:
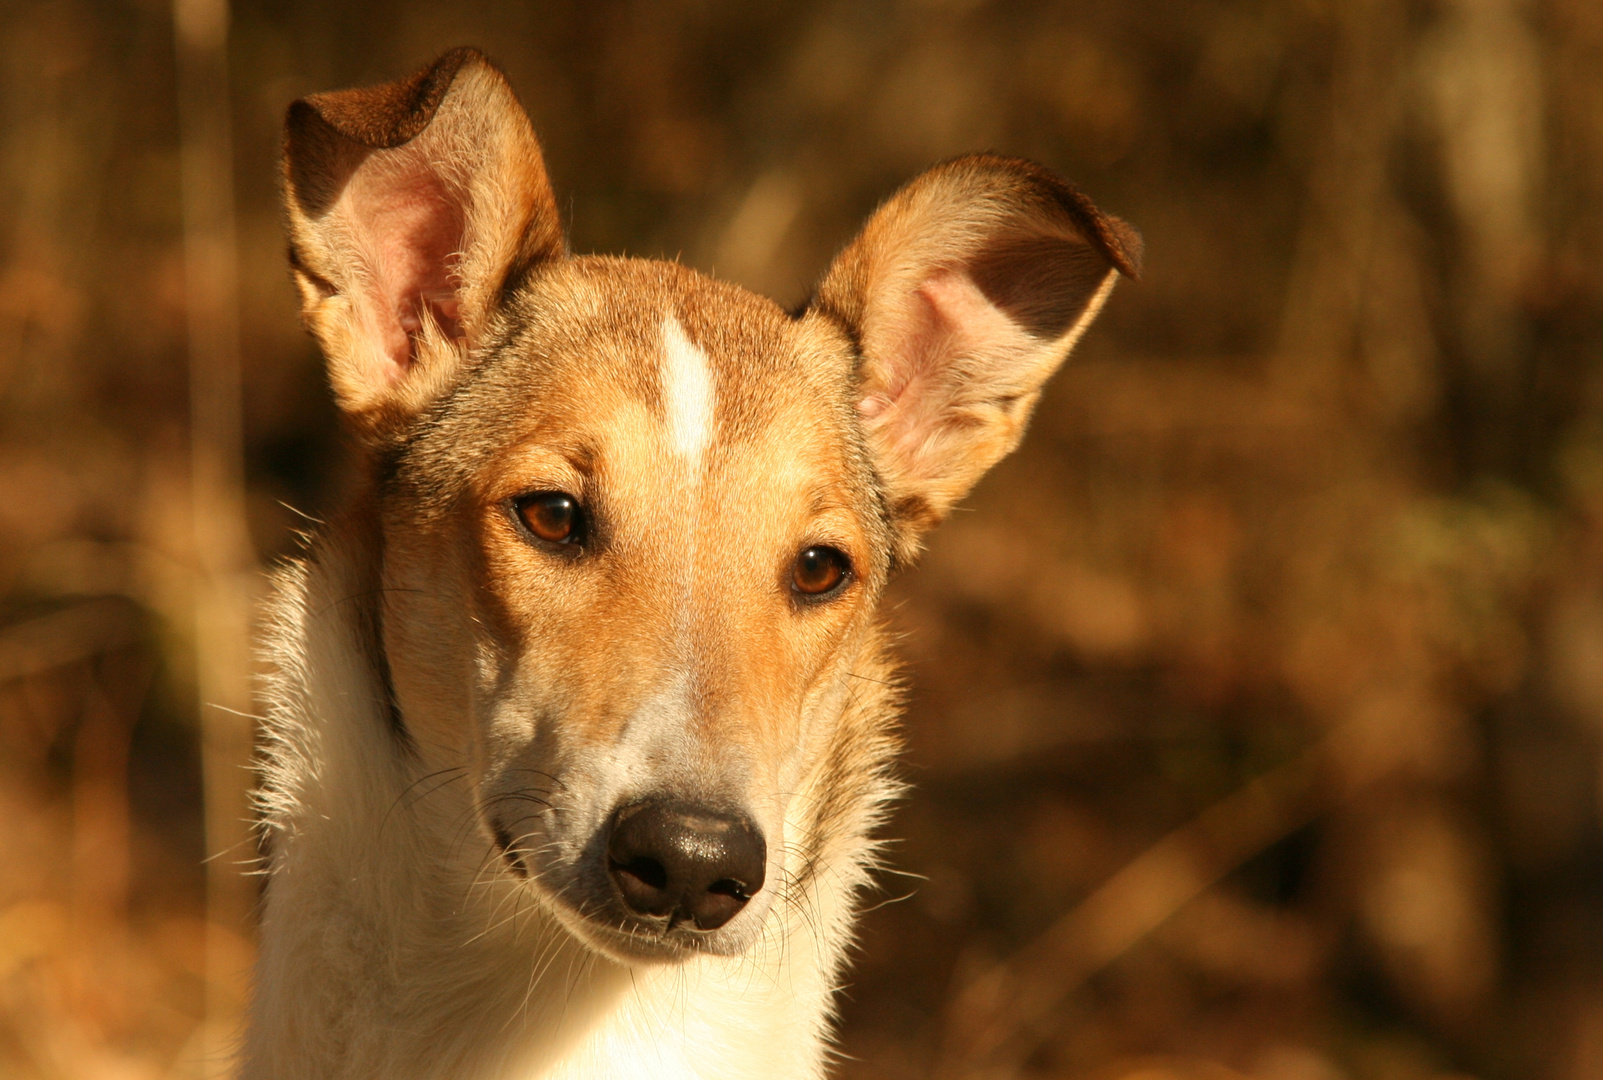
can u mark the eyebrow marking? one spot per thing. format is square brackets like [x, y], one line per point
[687, 390]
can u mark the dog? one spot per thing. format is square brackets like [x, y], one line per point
[580, 714]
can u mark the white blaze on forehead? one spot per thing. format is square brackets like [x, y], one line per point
[687, 390]
[660, 739]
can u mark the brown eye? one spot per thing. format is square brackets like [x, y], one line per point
[819, 570]
[552, 516]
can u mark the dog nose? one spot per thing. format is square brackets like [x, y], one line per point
[684, 861]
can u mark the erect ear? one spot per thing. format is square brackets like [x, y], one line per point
[964, 292]
[413, 208]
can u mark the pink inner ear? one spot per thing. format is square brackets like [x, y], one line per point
[911, 346]
[412, 227]
[939, 339]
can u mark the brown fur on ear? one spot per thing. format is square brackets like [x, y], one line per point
[412, 207]
[965, 291]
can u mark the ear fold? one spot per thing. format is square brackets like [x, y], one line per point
[964, 292]
[413, 207]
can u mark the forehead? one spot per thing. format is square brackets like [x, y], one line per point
[622, 358]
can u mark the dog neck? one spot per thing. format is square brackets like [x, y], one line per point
[397, 943]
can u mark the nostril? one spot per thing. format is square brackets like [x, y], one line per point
[730, 887]
[649, 871]
[643, 882]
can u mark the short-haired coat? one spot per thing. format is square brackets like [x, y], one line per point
[581, 713]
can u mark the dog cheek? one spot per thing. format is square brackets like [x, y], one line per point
[522, 781]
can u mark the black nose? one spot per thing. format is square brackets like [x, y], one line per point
[685, 861]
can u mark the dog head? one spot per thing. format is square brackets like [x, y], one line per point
[634, 521]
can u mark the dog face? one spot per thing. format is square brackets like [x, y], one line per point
[635, 521]
[648, 523]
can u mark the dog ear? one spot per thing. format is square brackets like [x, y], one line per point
[964, 292]
[414, 207]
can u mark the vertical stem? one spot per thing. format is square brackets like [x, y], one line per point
[223, 556]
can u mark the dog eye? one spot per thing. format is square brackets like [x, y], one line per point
[819, 570]
[553, 516]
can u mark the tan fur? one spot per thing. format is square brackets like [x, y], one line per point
[458, 709]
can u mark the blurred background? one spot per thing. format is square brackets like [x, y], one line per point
[1257, 713]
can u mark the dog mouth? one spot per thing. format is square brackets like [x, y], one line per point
[605, 921]
[664, 940]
